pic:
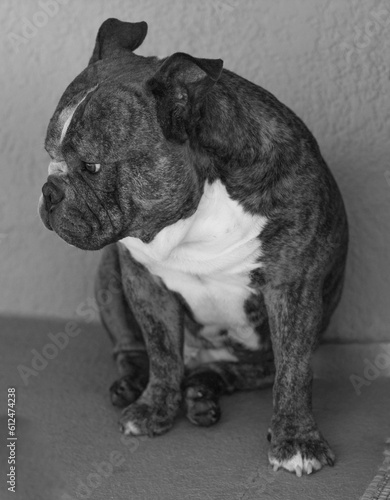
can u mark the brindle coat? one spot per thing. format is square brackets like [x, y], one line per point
[209, 125]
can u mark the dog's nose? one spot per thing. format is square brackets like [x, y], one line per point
[52, 193]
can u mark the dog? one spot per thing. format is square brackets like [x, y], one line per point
[223, 231]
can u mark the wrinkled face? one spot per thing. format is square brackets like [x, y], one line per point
[112, 172]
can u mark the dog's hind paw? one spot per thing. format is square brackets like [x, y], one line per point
[125, 391]
[202, 407]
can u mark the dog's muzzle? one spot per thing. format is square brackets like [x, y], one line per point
[52, 192]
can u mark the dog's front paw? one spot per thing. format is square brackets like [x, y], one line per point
[300, 455]
[149, 417]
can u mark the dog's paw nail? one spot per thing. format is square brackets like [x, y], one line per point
[301, 457]
[276, 467]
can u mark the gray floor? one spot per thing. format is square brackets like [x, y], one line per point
[66, 428]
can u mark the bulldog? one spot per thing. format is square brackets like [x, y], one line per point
[223, 231]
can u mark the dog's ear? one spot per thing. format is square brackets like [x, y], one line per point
[179, 86]
[115, 37]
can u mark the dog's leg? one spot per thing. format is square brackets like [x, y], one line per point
[159, 315]
[204, 385]
[295, 317]
[121, 325]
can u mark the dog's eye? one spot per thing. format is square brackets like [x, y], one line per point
[93, 168]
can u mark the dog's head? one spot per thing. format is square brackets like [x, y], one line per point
[119, 142]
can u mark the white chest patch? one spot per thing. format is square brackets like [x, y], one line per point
[207, 258]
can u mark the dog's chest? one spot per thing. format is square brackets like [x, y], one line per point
[207, 258]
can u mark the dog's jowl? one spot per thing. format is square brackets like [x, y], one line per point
[224, 236]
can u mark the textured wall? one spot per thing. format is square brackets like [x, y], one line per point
[327, 60]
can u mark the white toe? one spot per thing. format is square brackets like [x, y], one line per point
[296, 464]
[131, 428]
